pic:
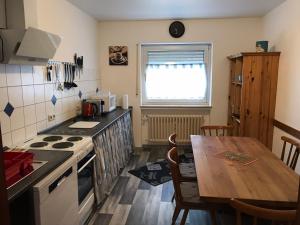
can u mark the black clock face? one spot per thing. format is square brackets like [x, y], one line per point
[176, 29]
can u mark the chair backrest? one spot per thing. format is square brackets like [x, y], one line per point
[176, 176]
[172, 144]
[293, 152]
[216, 130]
[262, 213]
[172, 140]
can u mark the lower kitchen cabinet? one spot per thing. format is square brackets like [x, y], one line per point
[113, 147]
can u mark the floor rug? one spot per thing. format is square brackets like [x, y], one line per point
[158, 172]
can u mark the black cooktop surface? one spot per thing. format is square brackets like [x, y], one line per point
[62, 145]
[39, 144]
[53, 138]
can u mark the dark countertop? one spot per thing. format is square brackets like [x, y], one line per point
[54, 158]
[105, 121]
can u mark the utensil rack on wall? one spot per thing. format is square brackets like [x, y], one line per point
[67, 70]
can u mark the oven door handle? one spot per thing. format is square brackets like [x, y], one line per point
[88, 162]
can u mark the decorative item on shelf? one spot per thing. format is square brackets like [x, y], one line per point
[118, 55]
[176, 29]
[262, 46]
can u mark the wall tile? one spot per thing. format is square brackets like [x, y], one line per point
[49, 91]
[17, 120]
[13, 75]
[28, 95]
[18, 136]
[42, 125]
[40, 110]
[51, 123]
[6, 139]
[39, 93]
[58, 94]
[58, 107]
[3, 98]
[26, 75]
[2, 76]
[38, 75]
[5, 123]
[29, 115]
[30, 131]
[50, 109]
[15, 96]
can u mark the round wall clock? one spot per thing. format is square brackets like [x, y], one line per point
[176, 29]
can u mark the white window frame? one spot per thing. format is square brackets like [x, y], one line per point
[144, 48]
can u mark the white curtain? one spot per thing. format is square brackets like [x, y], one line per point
[178, 82]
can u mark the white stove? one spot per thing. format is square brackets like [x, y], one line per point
[80, 145]
[79, 174]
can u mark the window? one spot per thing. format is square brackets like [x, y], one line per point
[175, 74]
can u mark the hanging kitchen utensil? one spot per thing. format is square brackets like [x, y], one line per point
[73, 76]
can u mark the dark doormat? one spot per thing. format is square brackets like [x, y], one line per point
[159, 172]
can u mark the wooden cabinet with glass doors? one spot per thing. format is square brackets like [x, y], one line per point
[252, 94]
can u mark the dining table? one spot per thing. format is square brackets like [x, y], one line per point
[242, 168]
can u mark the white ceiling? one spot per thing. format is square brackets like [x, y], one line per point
[174, 9]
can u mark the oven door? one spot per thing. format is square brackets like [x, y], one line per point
[85, 177]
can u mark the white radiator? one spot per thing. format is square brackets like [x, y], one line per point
[161, 126]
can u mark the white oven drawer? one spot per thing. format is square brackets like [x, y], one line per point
[56, 197]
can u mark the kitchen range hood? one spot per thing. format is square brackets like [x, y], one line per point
[19, 45]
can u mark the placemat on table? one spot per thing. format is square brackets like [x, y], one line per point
[237, 157]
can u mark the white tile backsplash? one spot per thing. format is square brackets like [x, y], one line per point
[6, 139]
[26, 75]
[42, 125]
[30, 131]
[38, 75]
[3, 98]
[40, 110]
[28, 95]
[50, 109]
[49, 91]
[18, 136]
[29, 114]
[2, 76]
[17, 119]
[26, 88]
[13, 75]
[15, 96]
[5, 123]
[39, 93]
[58, 107]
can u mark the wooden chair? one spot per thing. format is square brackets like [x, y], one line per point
[288, 216]
[216, 130]
[293, 152]
[186, 169]
[186, 192]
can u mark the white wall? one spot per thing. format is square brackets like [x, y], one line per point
[228, 36]
[281, 28]
[26, 88]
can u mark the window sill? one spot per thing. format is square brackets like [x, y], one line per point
[175, 107]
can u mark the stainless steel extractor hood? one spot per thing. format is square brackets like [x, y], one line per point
[19, 45]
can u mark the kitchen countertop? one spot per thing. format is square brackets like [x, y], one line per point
[54, 158]
[105, 121]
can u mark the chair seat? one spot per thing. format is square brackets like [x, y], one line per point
[187, 169]
[189, 192]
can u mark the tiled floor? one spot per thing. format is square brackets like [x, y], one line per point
[134, 202]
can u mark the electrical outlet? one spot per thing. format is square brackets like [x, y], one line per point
[51, 118]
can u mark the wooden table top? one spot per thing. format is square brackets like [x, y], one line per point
[267, 181]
